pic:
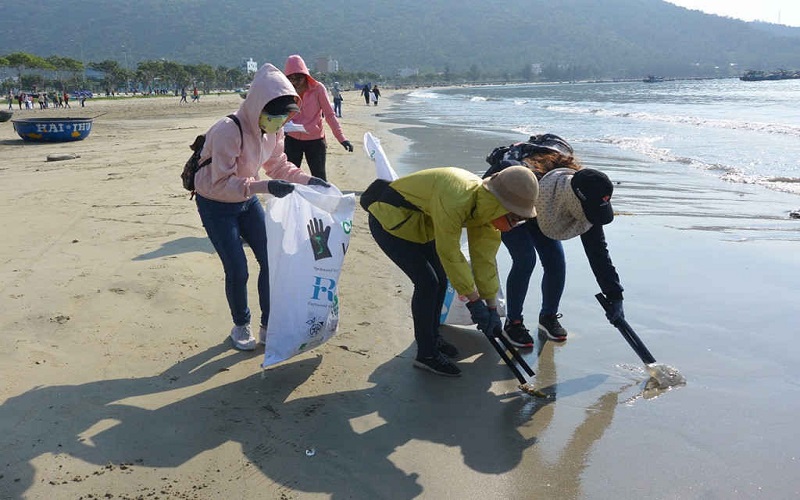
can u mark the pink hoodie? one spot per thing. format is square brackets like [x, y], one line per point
[315, 104]
[232, 175]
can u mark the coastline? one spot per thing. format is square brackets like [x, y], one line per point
[117, 378]
[709, 266]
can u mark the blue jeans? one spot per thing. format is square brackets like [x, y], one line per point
[227, 224]
[420, 262]
[523, 243]
[337, 107]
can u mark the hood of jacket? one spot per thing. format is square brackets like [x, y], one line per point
[296, 64]
[559, 212]
[268, 83]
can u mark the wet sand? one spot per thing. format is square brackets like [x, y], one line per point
[710, 270]
[116, 376]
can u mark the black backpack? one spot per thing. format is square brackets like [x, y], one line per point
[496, 156]
[193, 163]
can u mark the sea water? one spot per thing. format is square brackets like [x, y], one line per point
[706, 175]
[745, 132]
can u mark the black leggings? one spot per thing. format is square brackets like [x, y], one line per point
[314, 150]
[419, 262]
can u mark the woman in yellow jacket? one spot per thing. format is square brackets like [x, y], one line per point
[417, 221]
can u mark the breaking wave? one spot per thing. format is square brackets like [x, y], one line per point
[646, 146]
[769, 128]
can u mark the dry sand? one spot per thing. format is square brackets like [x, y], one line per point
[116, 376]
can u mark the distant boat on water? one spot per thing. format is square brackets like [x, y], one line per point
[652, 79]
[757, 76]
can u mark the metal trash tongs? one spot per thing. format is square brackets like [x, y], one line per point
[503, 348]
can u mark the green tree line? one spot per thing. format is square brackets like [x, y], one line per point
[63, 73]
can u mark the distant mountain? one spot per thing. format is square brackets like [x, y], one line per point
[578, 38]
[776, 29]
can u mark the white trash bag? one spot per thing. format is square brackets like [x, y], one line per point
[455, 312]
[308, 233]
[374, 150]
[454, 309]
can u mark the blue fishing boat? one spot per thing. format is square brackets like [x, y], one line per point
[52, 129]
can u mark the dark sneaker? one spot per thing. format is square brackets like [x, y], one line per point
[549, 325]
[438, 364]
[446, 348]
[517, 334]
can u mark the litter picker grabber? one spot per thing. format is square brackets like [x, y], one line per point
[627, 332]
[503, 348]
[663, 375]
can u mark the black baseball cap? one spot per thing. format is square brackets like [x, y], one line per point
[282, 105]
[545, 143]
[594, 189]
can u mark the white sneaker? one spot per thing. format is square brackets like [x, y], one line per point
[242, 338]
[262, 335]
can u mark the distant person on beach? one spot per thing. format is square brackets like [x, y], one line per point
[10, 98]
[195, 95]
[573, 201]
[365, 92]
[375, 95]
[66, 99]
[314, 106]
[417, 221]
[183, 96]
[336, 92]
[226, 190]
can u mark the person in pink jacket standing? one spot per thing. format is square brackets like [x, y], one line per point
[315, 105]
[226, 190]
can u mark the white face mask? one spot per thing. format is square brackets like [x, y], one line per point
[270, 124]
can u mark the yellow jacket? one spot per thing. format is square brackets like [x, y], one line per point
[449, 199]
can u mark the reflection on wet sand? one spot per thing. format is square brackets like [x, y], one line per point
[564, 474]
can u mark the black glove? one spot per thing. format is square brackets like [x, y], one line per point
[279, 188]
[495, 324]
[487, 319]
[614, 312]
[316, 181]
[347, 146]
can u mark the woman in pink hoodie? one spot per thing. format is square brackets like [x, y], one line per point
[226, 189]
[315, 105]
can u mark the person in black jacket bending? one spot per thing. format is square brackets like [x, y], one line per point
[573, 201]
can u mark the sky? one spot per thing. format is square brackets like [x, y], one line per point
[787, 11]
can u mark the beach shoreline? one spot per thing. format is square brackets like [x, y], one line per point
[117, 378]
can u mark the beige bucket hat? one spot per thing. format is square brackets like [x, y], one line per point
[516, 188]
